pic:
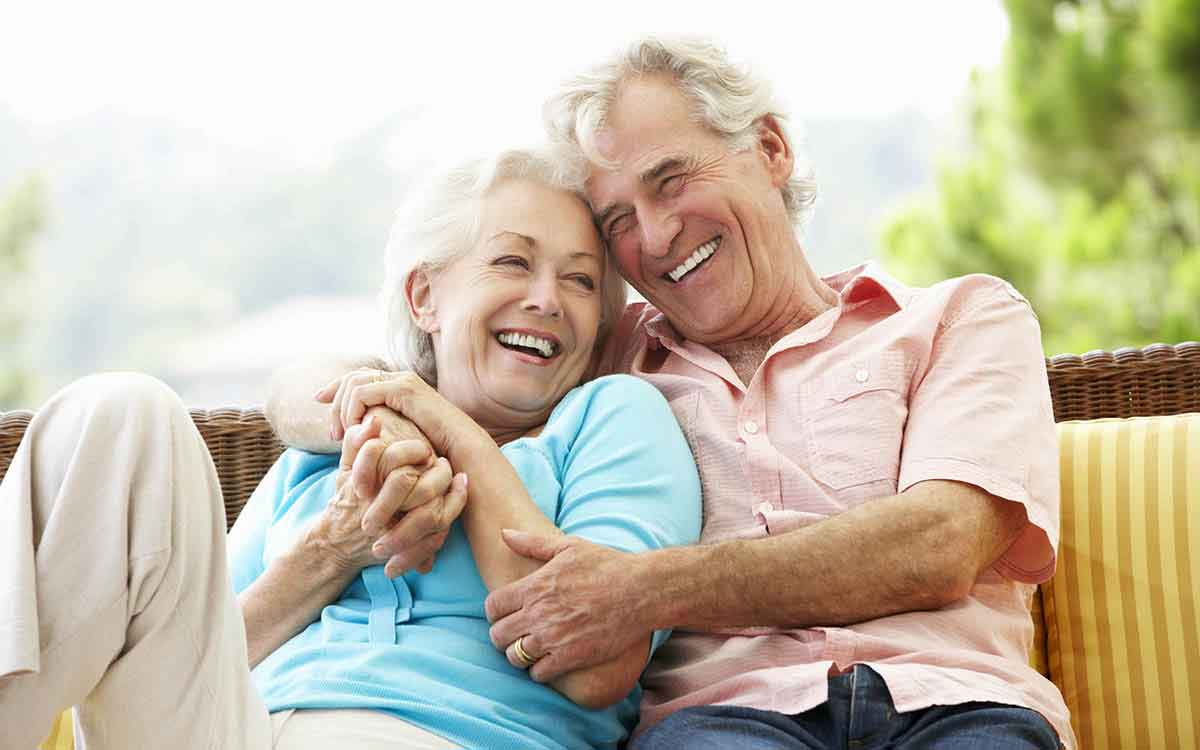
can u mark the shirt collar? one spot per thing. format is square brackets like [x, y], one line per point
[866, 281]
[854, 285]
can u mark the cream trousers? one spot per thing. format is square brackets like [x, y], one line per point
[114, 592]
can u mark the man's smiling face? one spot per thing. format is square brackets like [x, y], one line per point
[699, 230]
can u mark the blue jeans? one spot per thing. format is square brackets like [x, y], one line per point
[859, 715]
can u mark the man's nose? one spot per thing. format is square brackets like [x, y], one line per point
[659, 229]
[542, 297]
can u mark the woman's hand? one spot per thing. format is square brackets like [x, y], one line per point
[442, 423]
[356, 530]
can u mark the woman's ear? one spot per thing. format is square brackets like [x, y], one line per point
[419, 292]
[774, 146]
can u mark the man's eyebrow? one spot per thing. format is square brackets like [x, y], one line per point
[666, 164]
[658, 169]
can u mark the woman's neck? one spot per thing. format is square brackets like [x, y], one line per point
[505, 435]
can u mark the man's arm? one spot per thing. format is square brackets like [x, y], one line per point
[922, 549]
[298, 419]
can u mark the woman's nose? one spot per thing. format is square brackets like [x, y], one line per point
[542, 298]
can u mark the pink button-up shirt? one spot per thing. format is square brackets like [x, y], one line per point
[891, 387]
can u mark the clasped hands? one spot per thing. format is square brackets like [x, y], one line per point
[395, 499]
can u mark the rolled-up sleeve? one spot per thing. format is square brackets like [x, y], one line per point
[982, 414]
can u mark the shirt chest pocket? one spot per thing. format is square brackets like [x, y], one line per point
[854, 417]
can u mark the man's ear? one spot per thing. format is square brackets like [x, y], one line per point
[775, 149]
[419, 292]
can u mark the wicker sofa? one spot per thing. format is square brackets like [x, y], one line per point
[1118, 703]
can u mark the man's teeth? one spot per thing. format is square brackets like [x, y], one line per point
[695, 259]
[545, 346]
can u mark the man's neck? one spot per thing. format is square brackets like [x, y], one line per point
[805, 302]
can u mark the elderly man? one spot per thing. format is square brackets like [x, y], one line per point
[878, 462]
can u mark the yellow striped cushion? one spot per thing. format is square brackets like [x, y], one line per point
[1037, 654]
[1121, 611]
[62, 734]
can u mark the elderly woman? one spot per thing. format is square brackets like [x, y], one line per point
[498, 294]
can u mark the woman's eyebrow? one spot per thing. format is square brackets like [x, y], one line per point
[585, 255]
[508, 233]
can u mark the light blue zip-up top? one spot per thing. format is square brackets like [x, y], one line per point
[611, 466]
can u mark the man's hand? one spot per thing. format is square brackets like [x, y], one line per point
[576, 611]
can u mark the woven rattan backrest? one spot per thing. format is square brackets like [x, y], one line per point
[1158, 379]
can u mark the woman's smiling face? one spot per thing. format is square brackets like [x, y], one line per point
[514, 321]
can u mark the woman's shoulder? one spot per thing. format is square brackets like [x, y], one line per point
[618, 388]
[604, 396]
[607, 402]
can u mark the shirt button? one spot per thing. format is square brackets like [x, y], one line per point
[862, 375]
[751, 426]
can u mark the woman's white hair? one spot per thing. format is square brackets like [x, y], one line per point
[439, 224]
[728, 98]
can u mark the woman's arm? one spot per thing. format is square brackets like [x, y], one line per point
[290, 595]
[291, 592]
[497, 499]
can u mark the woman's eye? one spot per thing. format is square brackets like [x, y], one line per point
[585, 281]
[512, 260]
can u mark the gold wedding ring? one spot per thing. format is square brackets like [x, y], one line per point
[523, 655]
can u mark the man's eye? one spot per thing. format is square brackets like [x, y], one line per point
[672, 184]
[512, 260]
[620, 224]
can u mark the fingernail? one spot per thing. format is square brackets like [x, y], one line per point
[463, 478]
[378, 549]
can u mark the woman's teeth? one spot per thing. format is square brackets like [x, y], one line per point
[543, 347]
[702, 253]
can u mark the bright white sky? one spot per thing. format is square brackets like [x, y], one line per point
[299, 78]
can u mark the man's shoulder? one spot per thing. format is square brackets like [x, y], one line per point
[959, 297]
[638, 315]
[630, 335]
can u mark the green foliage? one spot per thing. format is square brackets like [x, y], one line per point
[22, 216]
[1082, 187]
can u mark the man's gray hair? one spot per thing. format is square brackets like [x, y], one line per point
[439, 223]
[727, 97]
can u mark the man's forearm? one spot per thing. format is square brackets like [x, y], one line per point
[896, 554]
[298, 419]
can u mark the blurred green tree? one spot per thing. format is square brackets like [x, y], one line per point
[22, 216]
[1082, 182]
